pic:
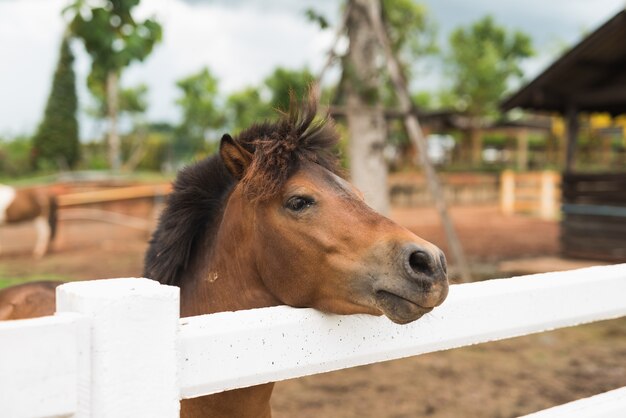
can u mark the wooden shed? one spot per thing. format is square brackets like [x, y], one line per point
[590, 77]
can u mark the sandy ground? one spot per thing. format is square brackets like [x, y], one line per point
[503, 379]
[89, 250]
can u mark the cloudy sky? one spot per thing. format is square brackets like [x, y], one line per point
[241, 41]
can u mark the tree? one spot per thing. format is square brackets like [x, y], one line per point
[283, 81]
[364, 109]
[412, 35]
[484, 58]
[245, 107]
[200, 113]
[255, 104]
[56, 142]
[114, 40]
[365, 87]
[132, 101]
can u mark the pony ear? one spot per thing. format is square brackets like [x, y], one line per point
[235, 157]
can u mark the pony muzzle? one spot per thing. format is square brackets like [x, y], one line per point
[420, 286]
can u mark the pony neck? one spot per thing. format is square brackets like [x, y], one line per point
[227, 279]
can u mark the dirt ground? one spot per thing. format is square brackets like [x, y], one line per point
[502, 379]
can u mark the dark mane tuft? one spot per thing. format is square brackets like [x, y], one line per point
[278, 148]
[195, 205]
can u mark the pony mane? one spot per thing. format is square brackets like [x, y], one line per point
[194, 208]
[278, 148]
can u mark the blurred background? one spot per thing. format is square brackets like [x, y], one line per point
[523, 111]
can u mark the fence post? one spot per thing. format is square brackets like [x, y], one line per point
[507, 192]
[134, 361]
[548, 207]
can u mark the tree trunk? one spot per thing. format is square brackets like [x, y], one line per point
[365, 114]
[476, 136]
[115, 160]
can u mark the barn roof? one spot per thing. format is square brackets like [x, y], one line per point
[591, 76]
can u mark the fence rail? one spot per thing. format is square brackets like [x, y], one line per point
[115, 336]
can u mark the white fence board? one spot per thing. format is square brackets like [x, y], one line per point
[238, 349]
[610, 404]
[43, 363]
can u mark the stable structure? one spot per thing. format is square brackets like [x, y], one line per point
[118, 348]
[590, 77]
[593, 225]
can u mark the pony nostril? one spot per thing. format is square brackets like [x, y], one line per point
[420, 262]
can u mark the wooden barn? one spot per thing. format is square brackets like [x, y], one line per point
[589, 78]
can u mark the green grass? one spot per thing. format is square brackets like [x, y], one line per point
[48, 178]
[12, 281]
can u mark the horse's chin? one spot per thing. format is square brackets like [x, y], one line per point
[398, 309]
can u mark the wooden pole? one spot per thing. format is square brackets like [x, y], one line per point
[476, 138]
[416, 135]
[507, 192]
[331, 55]
[115, 158]
[571, 116]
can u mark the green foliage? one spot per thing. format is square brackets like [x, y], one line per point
[15, 157]
[423, 100]
[284, 81]
[111, 35]
[132, 101]
[412, 34]
[157, 150]
[200, 113]
[316, 17]
[113, 39]
[483, 59]
[256, 104]
[154, 148]
[245, 107]
[94, 156]
[411, 31]
[56, 143]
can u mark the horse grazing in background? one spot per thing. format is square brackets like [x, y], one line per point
[22, 205]
[270, 221]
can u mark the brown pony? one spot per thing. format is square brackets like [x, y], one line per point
[270, 221]
[21, 205]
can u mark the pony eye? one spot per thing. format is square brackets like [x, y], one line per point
[298, 203]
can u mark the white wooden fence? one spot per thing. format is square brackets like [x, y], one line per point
[117, 348]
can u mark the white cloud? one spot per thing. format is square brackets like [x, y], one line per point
[241, 46]
[30, 35]
[240, 41]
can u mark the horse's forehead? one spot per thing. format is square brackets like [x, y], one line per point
[325, 178]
